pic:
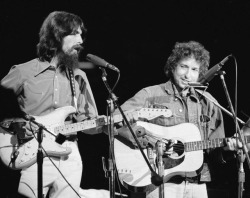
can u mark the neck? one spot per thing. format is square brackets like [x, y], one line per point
[54, 61]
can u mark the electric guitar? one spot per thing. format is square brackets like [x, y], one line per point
[18, 156]
[186, 158]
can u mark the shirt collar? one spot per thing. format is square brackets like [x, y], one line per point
[42, 66]
[169, 88]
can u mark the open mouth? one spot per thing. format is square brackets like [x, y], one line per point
[77, 48]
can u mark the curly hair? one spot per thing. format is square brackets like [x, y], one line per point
[55, 27]
[186, 50]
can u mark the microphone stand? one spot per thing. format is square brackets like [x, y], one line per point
[111, 153]
[241, 173]
[39, 155]
[159, 151]
[244, 150]
[155, 179]
[110, 120]
[40, 163]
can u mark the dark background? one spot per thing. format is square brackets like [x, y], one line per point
[137, 37]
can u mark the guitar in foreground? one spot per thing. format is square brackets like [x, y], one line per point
[18, 156]
[186, 158]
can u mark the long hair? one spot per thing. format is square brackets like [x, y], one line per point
[55, 27]
[187, 50]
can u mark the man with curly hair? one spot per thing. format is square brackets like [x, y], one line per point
[41, 86]
[187, 62]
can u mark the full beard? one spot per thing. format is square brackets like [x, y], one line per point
[69, 59]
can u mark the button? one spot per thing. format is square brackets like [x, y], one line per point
[180, 110]
[55, 102]
[56, 89]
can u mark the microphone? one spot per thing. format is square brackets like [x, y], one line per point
[210, 74]
[101, 62]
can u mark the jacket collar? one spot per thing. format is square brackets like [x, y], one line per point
[171, 89]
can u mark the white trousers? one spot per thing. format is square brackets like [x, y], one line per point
[53, 182]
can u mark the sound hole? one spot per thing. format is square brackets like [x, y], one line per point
[174, 156]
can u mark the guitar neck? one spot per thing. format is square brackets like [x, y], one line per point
[206, 144]
[81, 126]
[147, 113]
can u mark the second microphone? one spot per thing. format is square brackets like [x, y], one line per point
[101, 62]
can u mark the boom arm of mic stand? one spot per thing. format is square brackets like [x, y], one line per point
[157, 180]
[221, 107]
[41, 126]
[242, 139]
[137, 141]
[228, 112]
[59, 138]
[241, 136]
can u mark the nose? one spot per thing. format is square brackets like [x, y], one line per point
[79, 39]
[188, 74]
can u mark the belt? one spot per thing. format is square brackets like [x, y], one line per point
[192, 179]
[179, 179]
[72, 138]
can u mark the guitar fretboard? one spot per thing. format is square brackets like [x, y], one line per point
[147, 113]
[80, 126]
[200, 145]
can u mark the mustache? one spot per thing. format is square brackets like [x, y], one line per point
[77, 47]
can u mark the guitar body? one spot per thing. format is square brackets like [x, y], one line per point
[133, 171]
[26, 153]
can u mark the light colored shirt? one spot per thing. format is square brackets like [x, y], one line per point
[41, 88]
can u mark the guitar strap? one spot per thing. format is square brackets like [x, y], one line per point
[72, 84]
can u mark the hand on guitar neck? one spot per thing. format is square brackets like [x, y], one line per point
[232, 144]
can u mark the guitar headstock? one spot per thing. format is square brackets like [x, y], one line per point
[151, 113]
